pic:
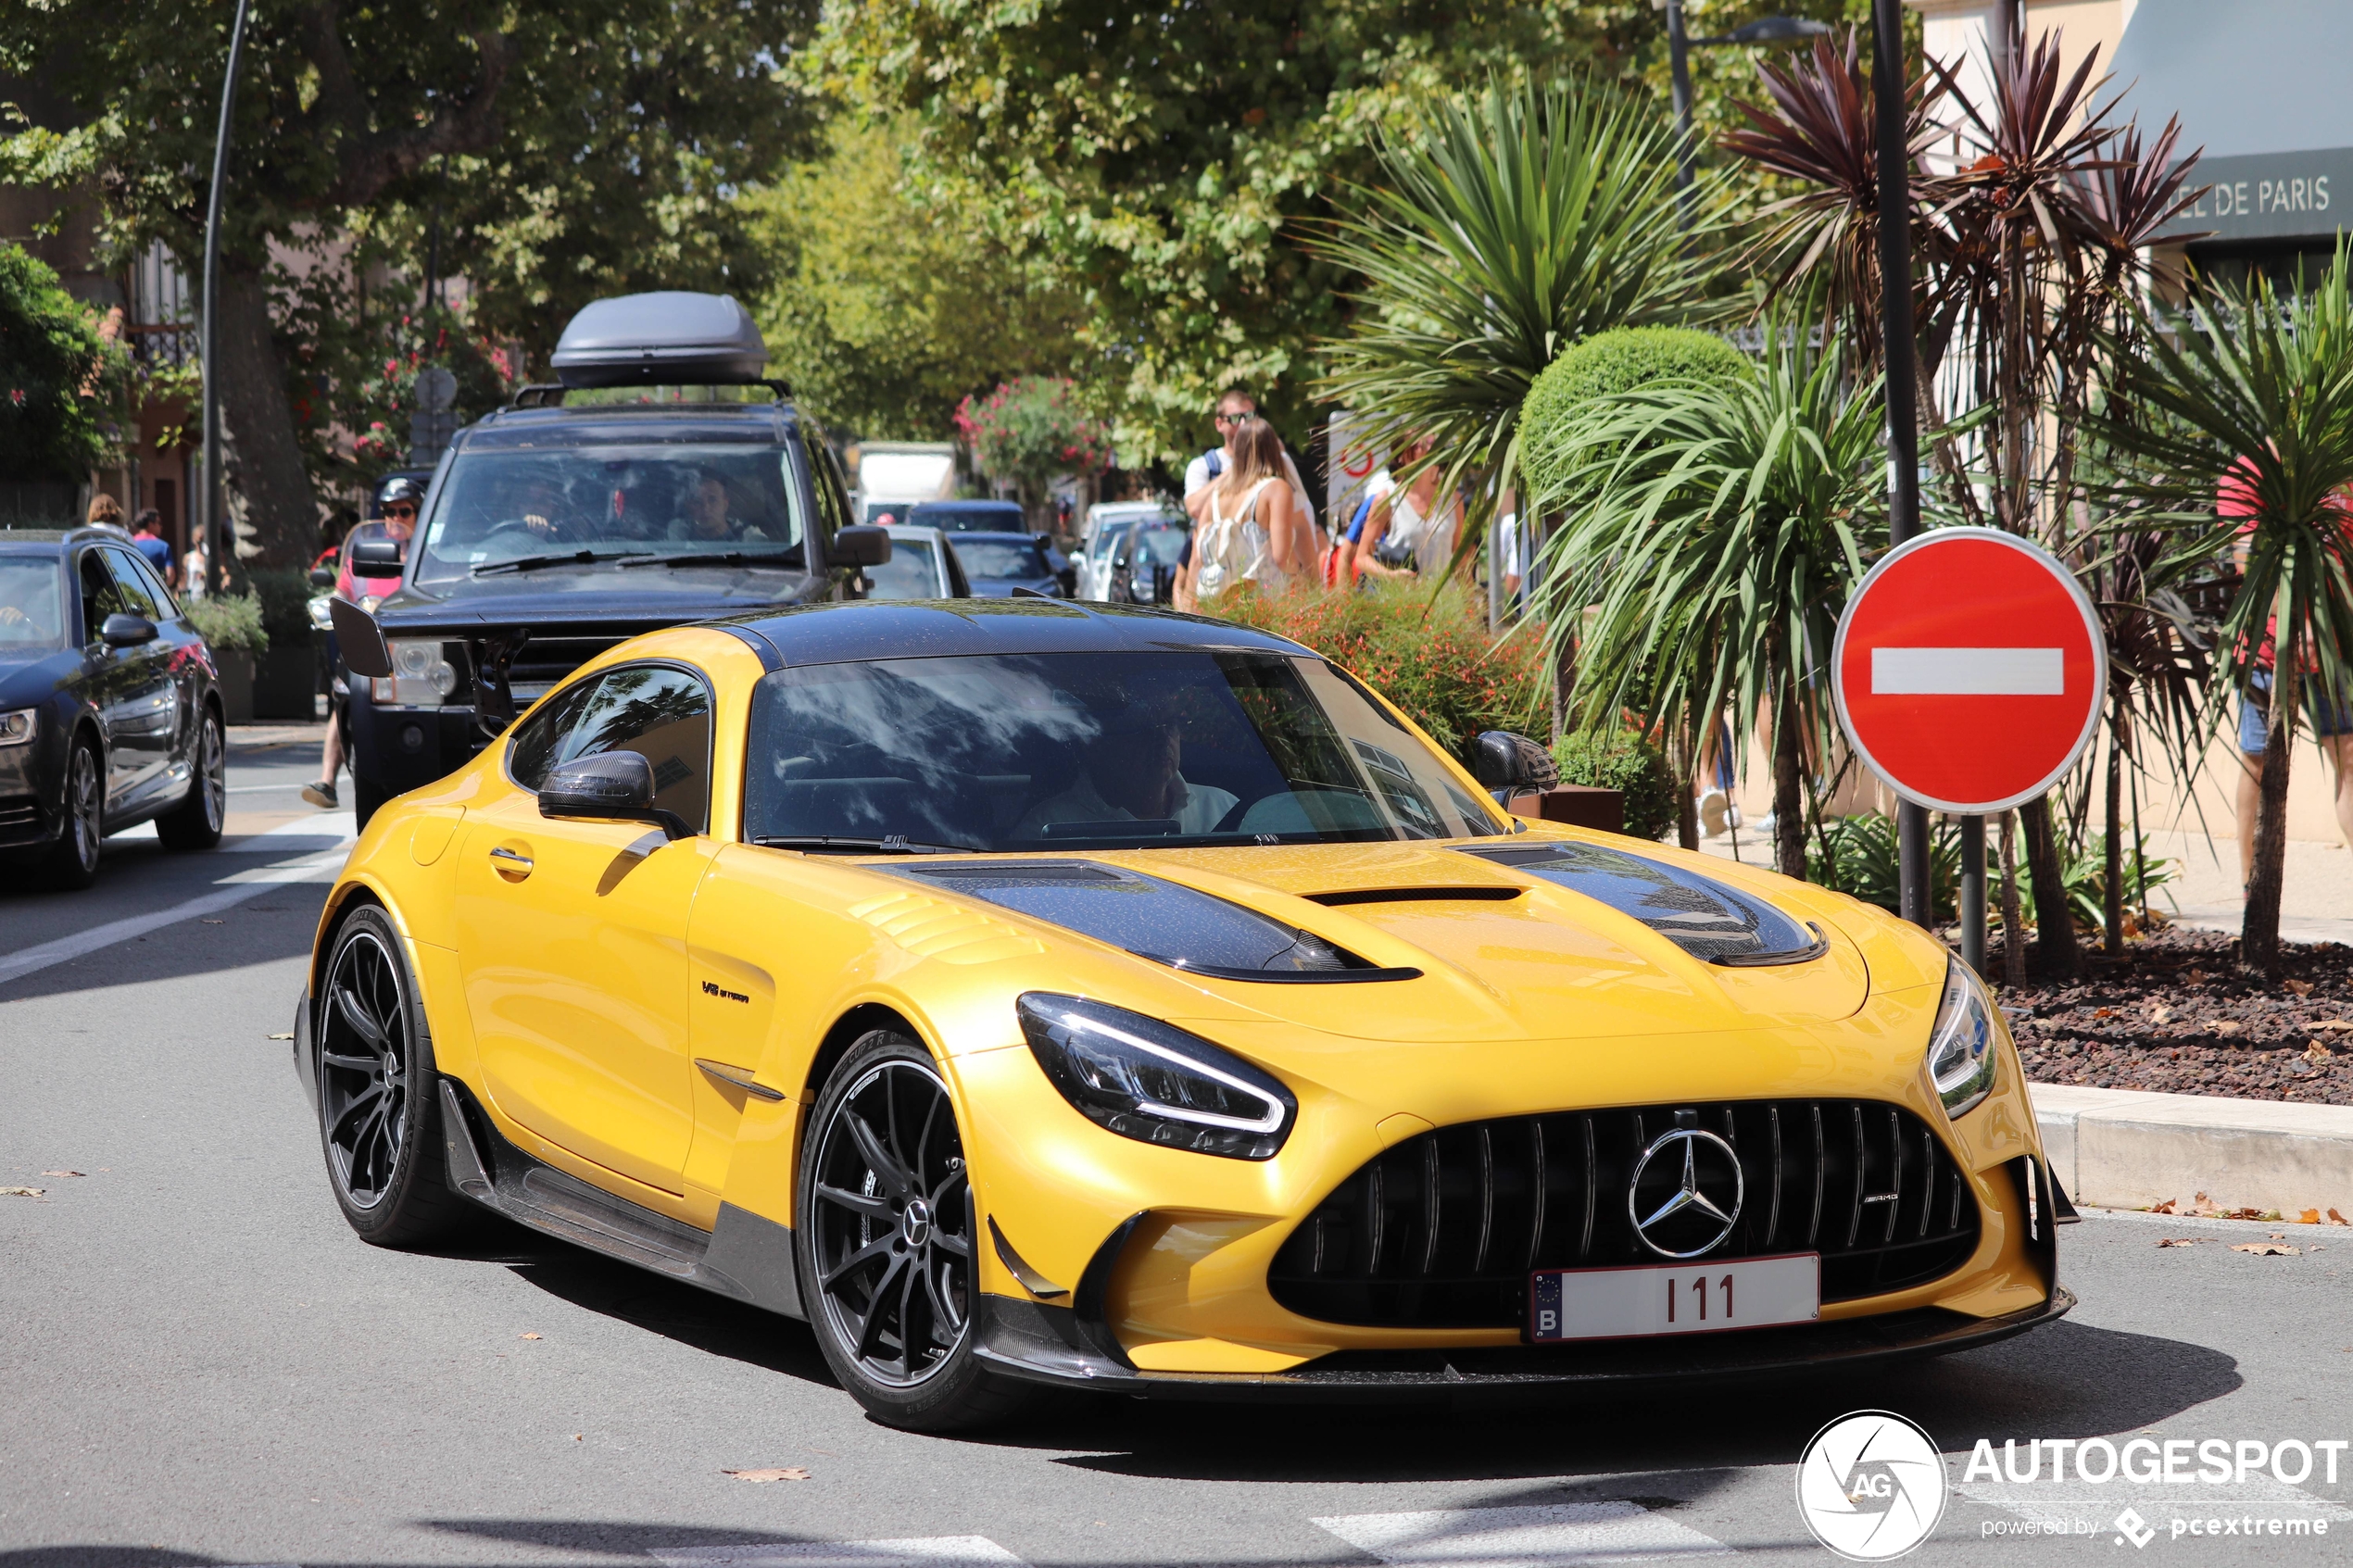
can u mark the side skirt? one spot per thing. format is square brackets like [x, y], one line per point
[746, 1258]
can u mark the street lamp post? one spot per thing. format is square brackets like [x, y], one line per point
[219, 549]
[1765, 29]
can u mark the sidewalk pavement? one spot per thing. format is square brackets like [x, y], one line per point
[2130, 1148]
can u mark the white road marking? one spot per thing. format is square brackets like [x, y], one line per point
[1523, 1537]
[233, 890]
[324, 830]
[1969, 673]
[928, 1552]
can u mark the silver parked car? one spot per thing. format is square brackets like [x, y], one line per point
[922, 565]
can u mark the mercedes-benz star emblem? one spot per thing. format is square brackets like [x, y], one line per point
[1684, 1218]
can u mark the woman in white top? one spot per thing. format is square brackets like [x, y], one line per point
[1253, 531]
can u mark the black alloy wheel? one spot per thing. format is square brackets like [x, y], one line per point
[73, 864]
[196, 821]
[377, 1117]
[886, 1228]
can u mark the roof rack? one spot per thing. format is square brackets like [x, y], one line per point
[538, 395]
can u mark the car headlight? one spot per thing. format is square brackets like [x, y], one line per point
[1960, 1048]
[1145, 1080]
[20, 726]
[420, 677]
[322, 619]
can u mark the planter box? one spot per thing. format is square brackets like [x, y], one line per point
[285, 680]
[236, 685]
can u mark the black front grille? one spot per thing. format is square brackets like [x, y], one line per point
[543, 662]
[1441, 1231]
[20, 817]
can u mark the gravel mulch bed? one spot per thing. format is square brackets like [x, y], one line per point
[2175, 1014]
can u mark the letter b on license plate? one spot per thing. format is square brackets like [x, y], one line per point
[1673, 1298]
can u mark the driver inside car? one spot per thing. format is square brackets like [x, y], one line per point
[1133, 772]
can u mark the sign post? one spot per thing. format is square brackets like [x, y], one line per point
[1968, 673]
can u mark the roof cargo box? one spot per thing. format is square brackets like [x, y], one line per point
[698, 339]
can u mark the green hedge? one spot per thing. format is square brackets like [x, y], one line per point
[1624, 761]
[229, 623]
[1604, 365]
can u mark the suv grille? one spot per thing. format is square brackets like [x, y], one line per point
[543, 663]
[1441, 1231]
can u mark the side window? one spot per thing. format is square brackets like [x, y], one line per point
[132, 585]
[825, 480]
[662, 714]
[166, 601]
[534, 748]
[100, 597]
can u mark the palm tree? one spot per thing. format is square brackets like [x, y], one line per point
[1508, 225]
[1718, 528]
[2259, 387]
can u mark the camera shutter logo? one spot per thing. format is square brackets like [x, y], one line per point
[1871, 1485]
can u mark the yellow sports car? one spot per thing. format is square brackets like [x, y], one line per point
[1029, 992]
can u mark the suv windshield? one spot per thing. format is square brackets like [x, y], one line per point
[1069, 751]
[967, 517]
[33, 606]
[496, 507]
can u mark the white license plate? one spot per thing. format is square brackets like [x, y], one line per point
[1674, 1298]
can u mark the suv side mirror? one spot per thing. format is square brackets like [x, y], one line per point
[613, 786]
[322, 577]
[861, 545]
[376, 557]
[1508, 763]
[122, 630]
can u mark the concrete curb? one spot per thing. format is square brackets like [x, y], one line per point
[2128, 1148]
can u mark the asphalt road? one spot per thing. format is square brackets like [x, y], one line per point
[199, 1363]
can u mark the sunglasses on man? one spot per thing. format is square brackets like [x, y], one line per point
[400, 508]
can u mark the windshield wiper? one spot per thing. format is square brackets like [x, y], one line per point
[890, 843]
[721, 557]
[535, 563]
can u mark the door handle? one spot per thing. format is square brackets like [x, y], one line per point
[509, 863]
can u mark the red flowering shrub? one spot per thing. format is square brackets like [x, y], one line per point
[1031, 428]
[1434, 661]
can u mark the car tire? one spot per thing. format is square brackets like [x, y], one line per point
[196, 821]
[883, 1176]
[379, 1096]
[74, 861]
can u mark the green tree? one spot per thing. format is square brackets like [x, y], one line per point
[889, 305]
[1506, 226]
[572, 145]
[53, 365]
[1718, 528]
[2261, 388]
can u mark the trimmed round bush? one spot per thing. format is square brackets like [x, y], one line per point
[1624, 761]
[1604, 365]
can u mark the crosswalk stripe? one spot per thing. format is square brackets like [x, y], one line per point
[927, 1551]
[1536, 1537]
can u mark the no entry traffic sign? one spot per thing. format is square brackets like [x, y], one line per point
[1969, 669]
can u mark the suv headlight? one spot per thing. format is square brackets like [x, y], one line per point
[1142, 1079]
[20, 726]
[1960, 1048]
[421, 676]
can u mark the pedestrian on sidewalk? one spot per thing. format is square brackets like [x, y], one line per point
[195, 567]
[155, 546]
[1204, 471]
[400, 500]
[104, 511]
[1250, 536]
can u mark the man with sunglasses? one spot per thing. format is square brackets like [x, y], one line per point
[399, 502]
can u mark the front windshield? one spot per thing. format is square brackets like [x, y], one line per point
[498, 506]
[912, 572]
[1162, 545]
[1002, 557]
[33, 606]
[1091, 751]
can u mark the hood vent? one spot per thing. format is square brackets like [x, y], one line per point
[1697, 913]
[1164, 922]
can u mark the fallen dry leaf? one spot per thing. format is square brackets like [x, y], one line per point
[2177, 1241]
[2164, 1208]
[530, 1336]
[65, 1173]
[2315, 1051]
[2337, 1219]
[2301, 987]
[2309, 1217]
[23, 1192]
[2195, 977]
[204, 921]
[579, 1437]
[2159, 1013]
[287, 1035]
[2266, 1248]
[792, 1473]
[2229, 1026]
[2338, 1024]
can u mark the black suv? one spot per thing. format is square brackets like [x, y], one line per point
[109, 705]
[555, 529]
